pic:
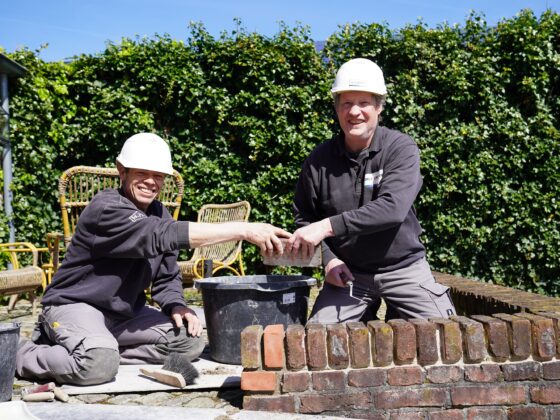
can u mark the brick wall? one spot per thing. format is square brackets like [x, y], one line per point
[504, 366]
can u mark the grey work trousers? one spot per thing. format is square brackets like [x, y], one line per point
[409, 292]
[86, 345]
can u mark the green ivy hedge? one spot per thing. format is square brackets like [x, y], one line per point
[242, 112]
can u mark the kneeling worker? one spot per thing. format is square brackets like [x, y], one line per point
[94, 312]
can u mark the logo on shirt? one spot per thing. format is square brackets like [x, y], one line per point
[371, 180]
[134, 217]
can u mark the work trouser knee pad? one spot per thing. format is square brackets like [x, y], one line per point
[178, 340]
[98, 365]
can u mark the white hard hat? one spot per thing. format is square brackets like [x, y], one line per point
[146, 151]
[359, 74]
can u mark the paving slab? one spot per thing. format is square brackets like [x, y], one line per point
[61, 411]
[129, 379]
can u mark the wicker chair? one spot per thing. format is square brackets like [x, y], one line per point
[224, 256]
[76, 188]
[21, 279]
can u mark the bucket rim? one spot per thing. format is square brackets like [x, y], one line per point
[6, 327]
[260, 282]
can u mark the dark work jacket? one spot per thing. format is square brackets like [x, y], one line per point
[117, 251]
[368, 199]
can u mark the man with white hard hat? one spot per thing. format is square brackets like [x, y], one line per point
[355, 196]
[94, 314]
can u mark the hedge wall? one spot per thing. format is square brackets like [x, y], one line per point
[242, 111]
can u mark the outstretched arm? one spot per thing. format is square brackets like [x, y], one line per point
[264, 235]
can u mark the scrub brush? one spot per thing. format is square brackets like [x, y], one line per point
[176, 371]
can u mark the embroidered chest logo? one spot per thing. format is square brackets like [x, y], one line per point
[134, 217]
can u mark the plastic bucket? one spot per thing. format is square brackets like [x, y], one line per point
[235, 302]
[9, 338]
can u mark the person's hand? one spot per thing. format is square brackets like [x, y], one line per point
[266, 237]
[337, 273]
[194, 327]
[306, 238]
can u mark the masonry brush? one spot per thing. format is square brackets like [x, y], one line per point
[176, 371]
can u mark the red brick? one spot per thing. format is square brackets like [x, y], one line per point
[444, 374]
[488, 395]
[551, 371]
[251, 347]
[555, 317]
[258, 381]
[523, 371]
[486, 414]
[273, 339]
[554, 413]
[295, 382]
[416, 397]
[450, 340]
[497, 335]
[404, 341]
[483, 373]
[316, 346]
[295, 347]
[284, 403]
[328, 380]
[474, 340]
[447, 415]
[527, 413]
[405, 375]
[365, 378]
[337, 346]
[519, 335]
[543, 336]
[426, 341]
[360, 353]
[319, 403]
[549, 394]
[381, 343]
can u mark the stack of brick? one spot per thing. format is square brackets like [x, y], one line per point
[501, 367]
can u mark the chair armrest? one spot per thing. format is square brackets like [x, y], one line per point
[54, 241]
[13, 248]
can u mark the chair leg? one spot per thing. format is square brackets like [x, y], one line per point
[12, 303]
[33, 299]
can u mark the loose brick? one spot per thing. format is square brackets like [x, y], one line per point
[551, 371]
[328, 380]
[446, 415]
[295, 382]
[519, 335]
[474, 342]
[543, 336]
[251, 347]
[404, 351]
[416, 397]
[316, 346]
[486, 414]
[450, 340]
[273, 339]
[426, 341]
[405, 375]
[555, 317]
[365, 378]
[360, 354]
[265, 381]
[497, 336]
[483, 373]
[295, 347]
[488, 395]
[381, 343]
[549, 394]
[337, 346]
[284, 403]
[524, 371]
[319, 403]
[525, 413]
[444, 374]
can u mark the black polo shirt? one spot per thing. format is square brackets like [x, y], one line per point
[368, 198]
